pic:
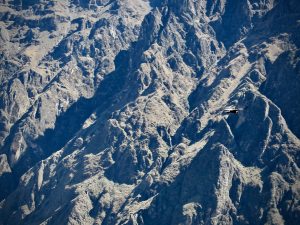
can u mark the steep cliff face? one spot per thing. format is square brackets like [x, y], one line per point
[54, 55]
[117, 110]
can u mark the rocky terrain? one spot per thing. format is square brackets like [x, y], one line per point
[112, 112]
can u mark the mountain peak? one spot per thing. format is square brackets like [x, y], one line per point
[116, 112]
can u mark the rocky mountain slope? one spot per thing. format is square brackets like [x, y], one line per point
[112, 112]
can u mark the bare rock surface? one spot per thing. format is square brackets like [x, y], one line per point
[112, 112]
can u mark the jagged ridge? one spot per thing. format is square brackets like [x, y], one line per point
[155, 147]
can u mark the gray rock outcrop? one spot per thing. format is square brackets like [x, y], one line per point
[112, 112]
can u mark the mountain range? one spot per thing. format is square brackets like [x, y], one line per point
[114, 112]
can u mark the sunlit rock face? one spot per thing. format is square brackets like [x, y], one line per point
[112, 112]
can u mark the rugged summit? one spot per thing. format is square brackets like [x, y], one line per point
[112, 112]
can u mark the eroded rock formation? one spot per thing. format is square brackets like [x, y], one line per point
[112, 112]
